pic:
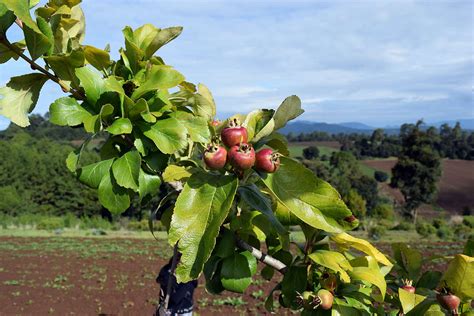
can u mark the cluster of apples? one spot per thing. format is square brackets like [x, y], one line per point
[238, 153]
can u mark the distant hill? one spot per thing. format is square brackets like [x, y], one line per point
[465, 123]
[298, 127]
[357, 125]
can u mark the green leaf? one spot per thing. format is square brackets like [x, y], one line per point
[409, 259]
[197, 127]
[6, 53]
[67, 111]
[158, 77]
[174, 173]
[204, 104]
[236, 273]
[36, 41]
[225, 246]
[64, 66]
[19, 97]
[252, 195]
[126, 170]
[334, 261]
[111, 196]
[460, 276]
[163, 37]
[98, 58]
[409, 300]
[7, 18]
[288, 110]
[212, 273]
[148, 184]
[347, 241]
[120, 126]
[276, 141]
[92, 174]
[168, 135]
[429, 280]
[256, 121]
[92, 83]
[45, 28]
[294, 281]
[72, 160]
[366, 269]
[200, 210]
[311, 199]
[92, 124]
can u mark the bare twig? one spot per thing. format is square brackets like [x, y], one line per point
[41, 69]
[262, 257]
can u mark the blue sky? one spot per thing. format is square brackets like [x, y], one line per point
[376, 62]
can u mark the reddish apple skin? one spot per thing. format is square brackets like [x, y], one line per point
[215, 158]
[326, 298]
[267, 161]
[241, 157]
[232, 136]
[409, 288]
[449, 301]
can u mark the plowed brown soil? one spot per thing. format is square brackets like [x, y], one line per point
[456, 188]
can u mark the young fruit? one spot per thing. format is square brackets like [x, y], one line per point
[215, 123]
[241, 157]
[215, 157]
[408, 286]
[326, 299]
[234, 134]
[350, 219]
[448, 300]
[267, 161]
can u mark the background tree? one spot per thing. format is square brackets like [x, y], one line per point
[311, 152]
[418, 168]
[380, 176]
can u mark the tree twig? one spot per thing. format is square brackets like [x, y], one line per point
[262, 257]
[35, 66]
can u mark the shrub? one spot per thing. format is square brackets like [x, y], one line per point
[439, 222]
[50, 223]
[461, 232]
[468, 221]
[356, 203]
[425, 229]
[380, 176]
[96, 222]
[383, 210]
[324, 158]
[445, 232]
[387, 223]
[376, 232]
[404, 226]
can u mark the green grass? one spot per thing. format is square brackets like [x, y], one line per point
[30, 232]
[297, 150]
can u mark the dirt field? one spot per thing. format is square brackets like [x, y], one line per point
[80, 276]
[87, 276]
[330, 144]
[456, 185]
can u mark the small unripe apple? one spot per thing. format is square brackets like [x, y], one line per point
[267, 161]
[242, 157]
[215, 157]
[234, 134]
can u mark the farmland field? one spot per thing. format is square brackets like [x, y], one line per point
[71, 276]
[455, 187]
[87, 276]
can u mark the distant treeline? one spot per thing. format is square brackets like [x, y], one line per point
[449, 142]
[34, 178]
